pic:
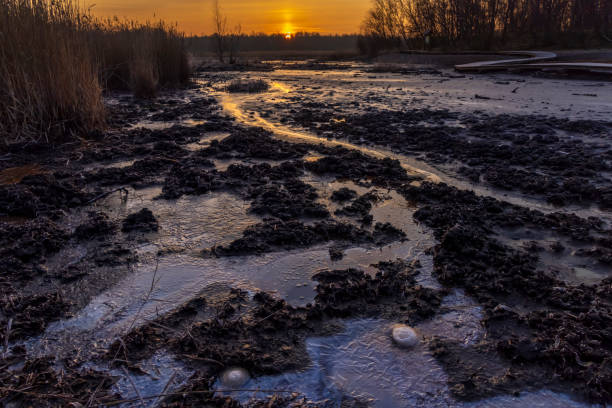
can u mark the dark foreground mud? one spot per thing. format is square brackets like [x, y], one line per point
[544, 329]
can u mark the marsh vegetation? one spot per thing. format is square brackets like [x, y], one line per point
[56, 61]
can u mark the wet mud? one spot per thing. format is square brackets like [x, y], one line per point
[507, 300]
[534, 155]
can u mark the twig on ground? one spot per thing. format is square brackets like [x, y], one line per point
[170, 380]
[206, 360]
[127, 374]
[6, 336]
[267, 317]
[101, 196]
[93, 394]
[175, 394]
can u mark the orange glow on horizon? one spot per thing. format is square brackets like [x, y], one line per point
[267, 16]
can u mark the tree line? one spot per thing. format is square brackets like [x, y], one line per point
[231, 43]
[488, 23]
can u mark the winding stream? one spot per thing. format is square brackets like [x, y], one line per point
[233, 105]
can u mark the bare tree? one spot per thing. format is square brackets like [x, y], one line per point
[234, 44]
[220, 24]
[483, 23]
[226, 41]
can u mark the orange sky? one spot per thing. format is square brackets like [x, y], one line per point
[271, 16]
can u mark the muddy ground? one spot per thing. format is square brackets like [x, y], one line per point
[539, 274]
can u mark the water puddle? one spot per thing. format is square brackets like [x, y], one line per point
[363, 364]
[189, 222]
[561, 257]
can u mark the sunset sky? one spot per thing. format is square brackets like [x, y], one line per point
[270, 16]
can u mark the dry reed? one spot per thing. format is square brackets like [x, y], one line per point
[56, 61]
[49, 84]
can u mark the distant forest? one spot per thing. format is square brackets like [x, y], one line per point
[445, 25]
[487, 24]
[277, 42]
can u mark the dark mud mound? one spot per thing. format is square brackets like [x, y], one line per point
[255, 143]
[142, 221]
[97, 225]
[202, 108]
[42, 195]
[290, 200]
[140, 174]
[30, 315]
[361, 207]
[191, 178]
[344, 194]
[348, 164]
[265, 336]
[391, 294]
[31, 240]
[443, 207]
[275, 235]
[472, 377]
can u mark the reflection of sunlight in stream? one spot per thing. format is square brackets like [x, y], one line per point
[233, 105]
[280, 86]
[254, 119]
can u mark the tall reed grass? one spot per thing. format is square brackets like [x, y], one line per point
[57, 60]
[49, 83]
[140, 57]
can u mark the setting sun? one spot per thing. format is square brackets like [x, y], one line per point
[269, 16]
[288, 36]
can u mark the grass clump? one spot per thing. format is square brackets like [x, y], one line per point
[248, 86]
[56, 61]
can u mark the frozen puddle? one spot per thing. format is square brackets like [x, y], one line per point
[163, 125]
[363, 363]
[159, 284]
[189, 222]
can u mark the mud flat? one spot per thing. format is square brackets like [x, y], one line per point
[258, 250]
